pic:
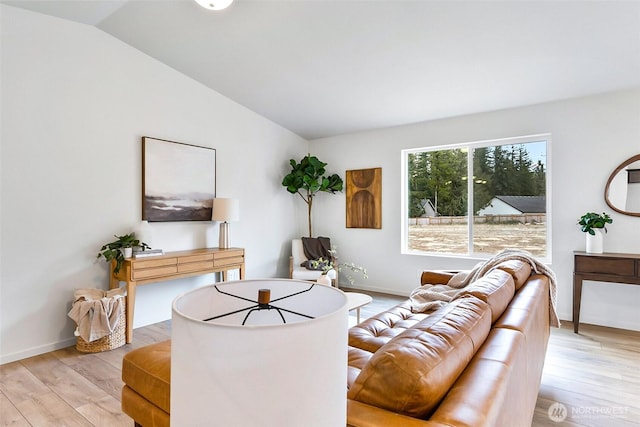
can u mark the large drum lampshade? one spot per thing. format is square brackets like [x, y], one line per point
[259, 353]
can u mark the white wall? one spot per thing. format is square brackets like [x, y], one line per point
[75, 104]
[591, 136]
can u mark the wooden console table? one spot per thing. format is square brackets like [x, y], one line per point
[172, 265]
[606, 267]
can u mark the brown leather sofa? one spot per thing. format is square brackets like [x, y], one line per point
[475, 362]
[146, 373]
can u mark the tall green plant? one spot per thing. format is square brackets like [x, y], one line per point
[307, 178]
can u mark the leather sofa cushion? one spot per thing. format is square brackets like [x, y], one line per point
[358, 358]
[147, 371]
[496, 288]
[412, 373]
[492, 390]
[378, 330]
[519, 270]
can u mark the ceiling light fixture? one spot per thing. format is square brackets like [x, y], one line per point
[214, 4]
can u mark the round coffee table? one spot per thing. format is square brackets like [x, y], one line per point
[355, 300]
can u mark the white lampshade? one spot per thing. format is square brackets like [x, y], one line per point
[267, 372]
[225, 209]
[214, 4]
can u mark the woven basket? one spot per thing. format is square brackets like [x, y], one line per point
[114, 340]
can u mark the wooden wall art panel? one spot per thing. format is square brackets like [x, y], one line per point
[364, 198]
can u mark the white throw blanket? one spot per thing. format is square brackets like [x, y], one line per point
[96, 312]
[430, 297]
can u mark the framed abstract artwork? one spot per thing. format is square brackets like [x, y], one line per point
[364, 198]
[178, 181]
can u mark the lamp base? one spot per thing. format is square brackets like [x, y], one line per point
[223, 241]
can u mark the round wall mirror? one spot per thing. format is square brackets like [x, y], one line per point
[622, 192]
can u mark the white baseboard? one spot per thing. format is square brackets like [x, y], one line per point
[626, 324]
[35, 351]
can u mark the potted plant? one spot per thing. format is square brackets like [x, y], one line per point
[308, 178]
[593, 224]
[116, 249]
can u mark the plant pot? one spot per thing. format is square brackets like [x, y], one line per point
[324, 280]
[127, 252]
[595, 243]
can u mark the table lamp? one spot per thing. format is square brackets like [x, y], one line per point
[259, 353]
[225, 210]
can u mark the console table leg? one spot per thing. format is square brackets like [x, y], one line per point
[130, 305]
[577, 297]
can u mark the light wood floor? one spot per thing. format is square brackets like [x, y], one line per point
[595, 375]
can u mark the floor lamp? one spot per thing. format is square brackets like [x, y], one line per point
[225, 210]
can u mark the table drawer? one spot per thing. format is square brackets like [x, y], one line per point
[195, 266]
[228, 253]
[228, 261]
[139, 274]
[150, 263]
[606, 265]
[196, 258]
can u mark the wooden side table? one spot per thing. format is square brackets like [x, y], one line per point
[172, 265]
[606, 267]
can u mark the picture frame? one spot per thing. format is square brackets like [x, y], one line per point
[364, 198]
[178, 181]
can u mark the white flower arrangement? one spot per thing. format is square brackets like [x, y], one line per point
[327, 265]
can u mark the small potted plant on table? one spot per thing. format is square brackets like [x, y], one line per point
[593, 225]
[120, 249]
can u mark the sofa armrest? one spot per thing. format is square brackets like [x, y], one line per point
[436, 277]
[362, 415]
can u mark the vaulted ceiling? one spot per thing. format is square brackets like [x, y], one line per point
[328, 67]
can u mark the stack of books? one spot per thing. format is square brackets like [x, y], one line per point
[148, 253]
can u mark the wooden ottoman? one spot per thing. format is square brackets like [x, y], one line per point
[146, 373]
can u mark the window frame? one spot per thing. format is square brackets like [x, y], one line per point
[470, 146]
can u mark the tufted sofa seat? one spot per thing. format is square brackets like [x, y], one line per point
[477, 361]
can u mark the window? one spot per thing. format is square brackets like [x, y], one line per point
[503, 205]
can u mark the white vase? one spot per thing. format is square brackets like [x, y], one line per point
[595, 243]
[324, 280]
[127, 252]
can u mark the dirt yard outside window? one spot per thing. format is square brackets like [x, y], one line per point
[488, 238]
